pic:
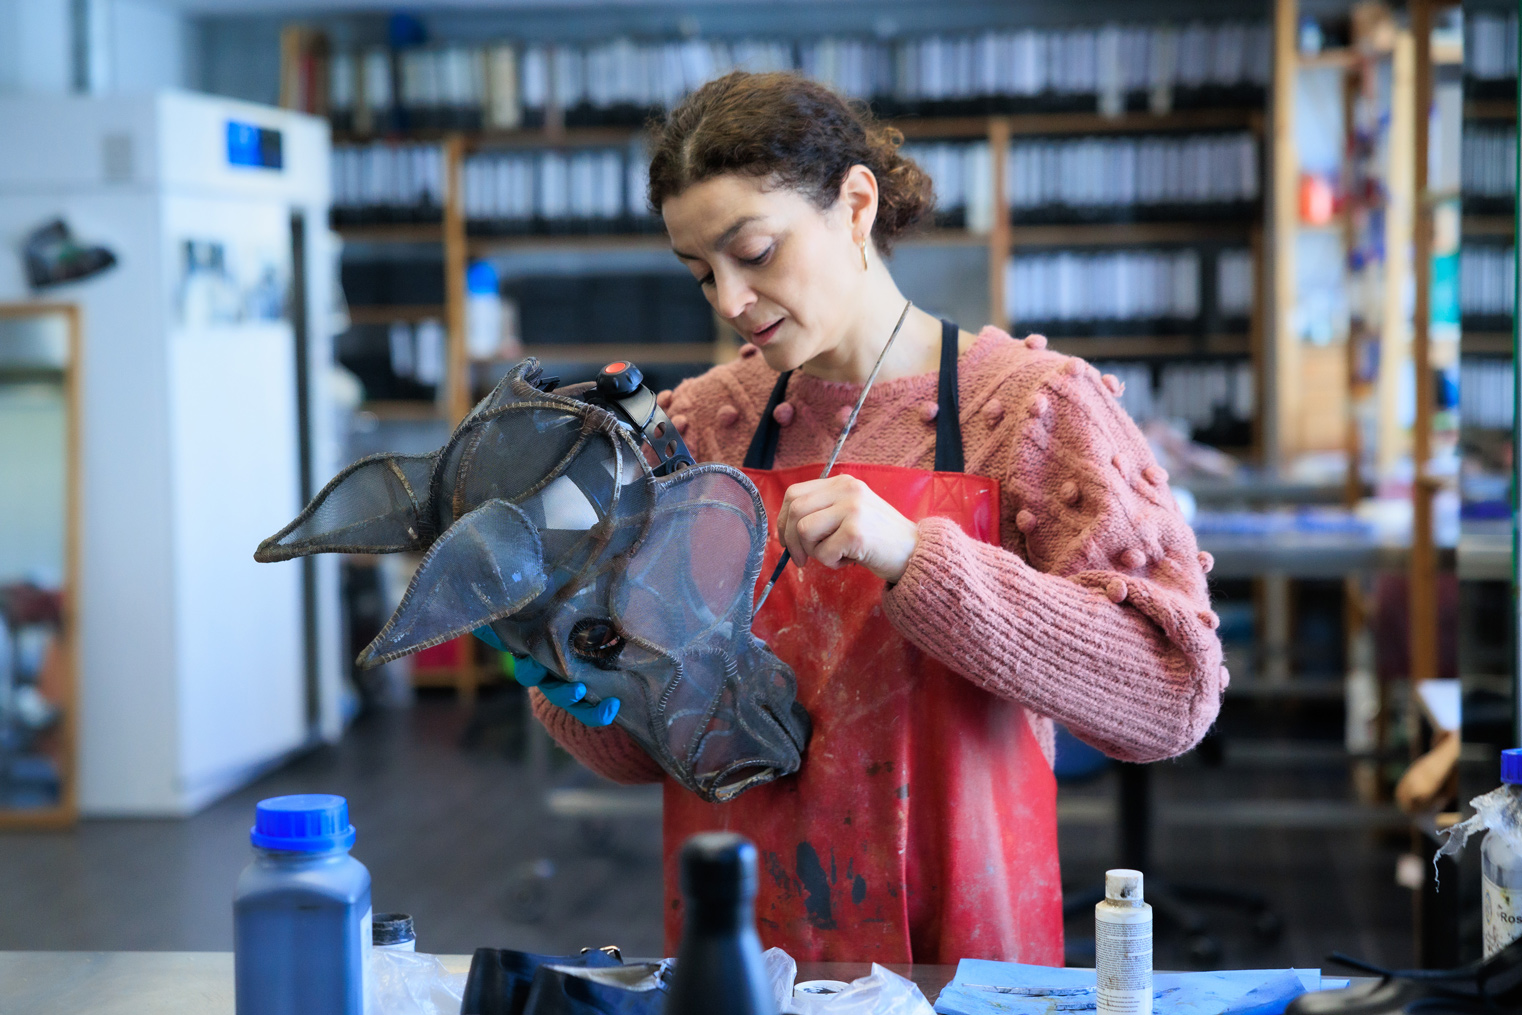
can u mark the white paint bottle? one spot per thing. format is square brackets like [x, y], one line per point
[1123, 946]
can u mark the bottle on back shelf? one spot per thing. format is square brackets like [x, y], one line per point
[1123, 946]
[718, 966]
[301, 915]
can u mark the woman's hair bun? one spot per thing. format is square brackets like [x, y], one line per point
[800, 133]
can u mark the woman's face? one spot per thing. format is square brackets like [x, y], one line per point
[783, 273]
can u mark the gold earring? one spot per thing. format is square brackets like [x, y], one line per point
[864, 254]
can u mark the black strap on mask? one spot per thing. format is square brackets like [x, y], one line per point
[621, 390]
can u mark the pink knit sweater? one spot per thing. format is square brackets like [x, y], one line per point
[1094, 612]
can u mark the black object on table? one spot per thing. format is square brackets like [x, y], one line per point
[1174, 904]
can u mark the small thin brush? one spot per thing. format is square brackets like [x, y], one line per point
[840, 442]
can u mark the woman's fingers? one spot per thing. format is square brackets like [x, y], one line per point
[838, 520]
[811, 497]
[843, 545]
[815, 530]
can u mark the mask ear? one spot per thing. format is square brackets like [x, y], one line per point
[487, 565]
[376, 505]
[699, 561]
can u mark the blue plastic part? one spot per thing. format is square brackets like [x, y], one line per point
[302, 823]
[489, 636]
[566, 694]
[1511, 765]
[482, 278]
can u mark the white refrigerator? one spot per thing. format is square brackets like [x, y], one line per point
[205, 423]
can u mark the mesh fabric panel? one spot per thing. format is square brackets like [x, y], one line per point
[543, 519]
[376, 505]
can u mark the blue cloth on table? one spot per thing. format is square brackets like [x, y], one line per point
[982, 987]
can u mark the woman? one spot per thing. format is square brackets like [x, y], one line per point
[996, 550]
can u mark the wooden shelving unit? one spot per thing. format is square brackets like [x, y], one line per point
[1154, 346]
[403, 232]
[1126, 234]
[1002, 240]
[1487, 343]
[385, 313]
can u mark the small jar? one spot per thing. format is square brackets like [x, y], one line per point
[393, 932]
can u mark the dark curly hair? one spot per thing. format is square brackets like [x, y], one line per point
[795, 131]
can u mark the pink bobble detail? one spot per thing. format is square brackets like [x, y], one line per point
[783, 413]
[1039, 405]
[1114, 384]
[1210, 619]
[1119, 462]
[748, 350]
[1076, 366]
[728, 414]
[664, 399]
[1225, 678]
[843, 414]
[1133, 559]
[1069, 492]
[1025, 521]
[1156, 475]
[1036, 342]
[680, 422]
[928, 411]
[1116, 590]
[1207, 561]
[994, 410]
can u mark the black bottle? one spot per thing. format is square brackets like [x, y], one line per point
[718, 967]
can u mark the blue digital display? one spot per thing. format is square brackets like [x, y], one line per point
[251, 145]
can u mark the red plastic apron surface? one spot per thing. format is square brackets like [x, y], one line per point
[923, 824]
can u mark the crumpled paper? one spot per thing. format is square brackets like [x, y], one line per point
[413, 983]
[881, 992]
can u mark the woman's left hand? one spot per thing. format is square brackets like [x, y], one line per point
[839, 520]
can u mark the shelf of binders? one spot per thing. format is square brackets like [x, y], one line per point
[1189, 177]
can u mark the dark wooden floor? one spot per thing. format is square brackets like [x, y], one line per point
[454, 830]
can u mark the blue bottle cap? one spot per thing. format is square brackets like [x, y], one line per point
[304, 823]
[1511, 765]
[481, 277]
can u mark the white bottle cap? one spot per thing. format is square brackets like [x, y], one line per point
[1123, 885]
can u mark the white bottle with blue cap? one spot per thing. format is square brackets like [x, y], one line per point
[301, 915]
[1501, 862]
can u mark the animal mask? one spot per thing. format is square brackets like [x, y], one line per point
[543, 520]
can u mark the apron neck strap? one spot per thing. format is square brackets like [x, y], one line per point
[762, 452]
[948, 418]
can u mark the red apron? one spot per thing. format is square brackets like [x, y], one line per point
[922, 826]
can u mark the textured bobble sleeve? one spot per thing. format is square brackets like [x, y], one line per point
[608, 751]
[1095, 611]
